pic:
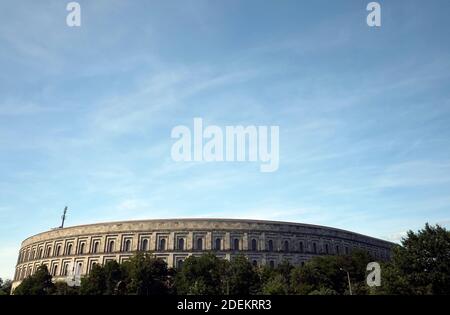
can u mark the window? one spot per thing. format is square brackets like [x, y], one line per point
[199, 244]
[218, 243]
[127, 246]
[286, 246]
[54, 270]
[301, 247]
[79, 269]
[314, 248]
[40, 252]
[179, 263]
[337, 249]
[58, 250]
[66, 270]
[95, 247]
[255, 263]
[144, 245]
[270, 246]
[346, 250]
[32, 254]
[254, 245]
[272, 264]
[111, 246]
[49, 249]
[236, 244]
[162, 244]
[69, 249]
[326, 249]
[81, 250]
[181, 244]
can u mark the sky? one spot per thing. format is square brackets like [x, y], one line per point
[86, 113]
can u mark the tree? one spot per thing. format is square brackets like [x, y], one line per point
[62, 288]
[40, 283]
[146, 275]
[242, 277]
[95, 282]
[327, 274]
[113, 274]
[275, 285]
[5, 287]
[204, 275]
[421, 265]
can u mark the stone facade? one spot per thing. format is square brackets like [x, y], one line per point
[74, 250]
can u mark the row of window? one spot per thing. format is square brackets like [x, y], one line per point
[69, 269]
[286, 246]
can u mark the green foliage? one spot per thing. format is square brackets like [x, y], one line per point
[276, 285]
[146, 275]
[5, 287]
[62, 288]
[421, 265]
[40, 283]
[327, 274]
[205, 275]
[143, 274]
[95, 282]
[243, 278]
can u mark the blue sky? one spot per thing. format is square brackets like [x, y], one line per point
[86, 113]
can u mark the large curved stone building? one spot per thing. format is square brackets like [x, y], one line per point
[74, 250]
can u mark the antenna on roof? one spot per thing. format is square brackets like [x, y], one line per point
[63, 217]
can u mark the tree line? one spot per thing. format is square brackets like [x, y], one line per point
[420, 265]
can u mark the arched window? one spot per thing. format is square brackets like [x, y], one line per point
[79, 269]
[179, 264]
[314, 248]
[144, 246]
[66, 270]
[286, 246]
[28, 255]
[199, 244]
[181, 244]
[49, 249]
[58, 250]
[254, 245]
[337, 249]
[81, 251]
[272, 264]
[255, 263]
[346, 250]
[162, 244]
[301, 247]
[40, 253]
[127, 246]
[111, 246]
[327, 250]
[69, 249]
[218, 244]
[95, 247]
[270, 246]
[32, 254]
[54, 270]
[236, 244]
